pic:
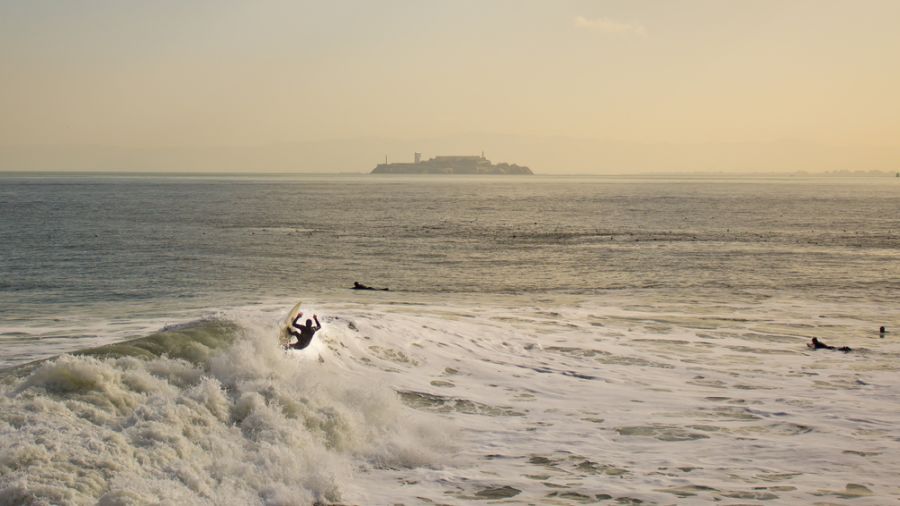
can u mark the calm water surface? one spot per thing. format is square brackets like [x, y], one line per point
[66, 240]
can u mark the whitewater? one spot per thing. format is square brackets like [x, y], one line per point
[535, 401]
[613, 355]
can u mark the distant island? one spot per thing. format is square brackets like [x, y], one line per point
[451, 165]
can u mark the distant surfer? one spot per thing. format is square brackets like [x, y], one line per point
[306, 332]
[359, 286]
[882, 331]
[815, 344]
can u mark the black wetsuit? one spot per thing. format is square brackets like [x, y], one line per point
[816, 345]
[360, 286]
[304, 337]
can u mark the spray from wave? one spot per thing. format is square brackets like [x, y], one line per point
[206, 413]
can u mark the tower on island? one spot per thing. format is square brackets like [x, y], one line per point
[455, 164]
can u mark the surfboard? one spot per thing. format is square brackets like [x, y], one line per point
[285, 337]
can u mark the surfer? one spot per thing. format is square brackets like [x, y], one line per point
[815, 344]
[359, 286]
[304, 337]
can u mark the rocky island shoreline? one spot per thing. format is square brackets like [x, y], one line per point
[451, 165]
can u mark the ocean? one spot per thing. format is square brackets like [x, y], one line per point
[545, 340]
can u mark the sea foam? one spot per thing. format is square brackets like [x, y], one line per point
[169, 419]
[563, 400]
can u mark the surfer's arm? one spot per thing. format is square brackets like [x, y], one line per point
[294, 323]
[318, 325]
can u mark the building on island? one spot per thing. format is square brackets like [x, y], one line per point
[450, 165]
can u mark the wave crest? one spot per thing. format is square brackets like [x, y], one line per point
[209, 413]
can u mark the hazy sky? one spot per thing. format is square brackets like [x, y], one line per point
[563, 86]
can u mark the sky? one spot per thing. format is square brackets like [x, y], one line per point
[563, 86]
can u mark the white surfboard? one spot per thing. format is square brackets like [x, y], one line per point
[285, 337]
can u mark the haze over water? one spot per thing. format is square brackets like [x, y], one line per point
[577, 86]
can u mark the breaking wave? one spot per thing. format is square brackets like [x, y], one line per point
[210, 412]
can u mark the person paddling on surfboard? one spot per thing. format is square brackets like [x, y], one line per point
[304, 337]
[815, 344]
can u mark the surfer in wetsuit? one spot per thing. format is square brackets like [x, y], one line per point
[816, 344]
[359, 286]
[304, 337]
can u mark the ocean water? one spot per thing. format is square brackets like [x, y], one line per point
[545, 340]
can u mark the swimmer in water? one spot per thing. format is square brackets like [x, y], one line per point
[359, 286]
[815, 344]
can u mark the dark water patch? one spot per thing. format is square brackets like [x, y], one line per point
[780, 428]
[424, 500]
[444, 404]
[687, 490]
[867, 421]
[667, 342]
[707, 428]
[761, 351]
[541, 461]
[780, 488]
[743, 386]
[733, 413]
[752, 495]
[572, 496]
[851, 491]
[632, 361]
[776, 476]
[393, 355]
[590, 467]
[706, 382]
[577, 465]
[442, 383]
[548, 370]
[575, 352]
[768, 337]
[661, 432]
[861, 453]
[503, 492]
[713, 337]
[604, 357]
[4, 335]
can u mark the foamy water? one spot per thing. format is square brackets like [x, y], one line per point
[562, 400]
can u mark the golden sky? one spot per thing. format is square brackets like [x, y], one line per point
[563, 86]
